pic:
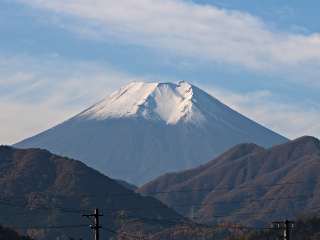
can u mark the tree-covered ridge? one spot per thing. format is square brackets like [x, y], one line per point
[11, 234]
[307, 228]
[46, 194]
[190, 231]
[247, 184]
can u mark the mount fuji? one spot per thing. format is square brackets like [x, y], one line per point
[145, 130]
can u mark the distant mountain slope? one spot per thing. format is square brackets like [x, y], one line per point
[147, 129]
[41, 191]
[247, 184]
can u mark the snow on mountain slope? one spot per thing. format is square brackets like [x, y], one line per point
[144, 130]
[155, 101]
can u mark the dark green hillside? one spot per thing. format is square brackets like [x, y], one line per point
[41, 191]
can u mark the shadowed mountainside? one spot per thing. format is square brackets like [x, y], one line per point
[41, 191]
[247, 184]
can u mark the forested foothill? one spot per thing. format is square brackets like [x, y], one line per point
[304, 228]
[44, 196]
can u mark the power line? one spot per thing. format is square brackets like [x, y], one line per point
[218, 203]
[257, 213]
[50, 207]
[174, 221]
[225, 188]
[47, 207]
[50, 227]
[166, 221]
[39, 206]
[120, 233]
[160, 192]
[72, 210]
[170, 221]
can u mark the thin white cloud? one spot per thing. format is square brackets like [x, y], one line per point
[190, 30]
[284, 13]
[26, 77]
[25, 120]
[291, 121]
[36, 95]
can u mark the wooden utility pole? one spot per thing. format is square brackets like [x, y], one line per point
[96, 225]
[286, 228]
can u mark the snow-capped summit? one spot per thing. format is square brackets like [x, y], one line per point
[146, 129]
[168, 102]
[163, 101]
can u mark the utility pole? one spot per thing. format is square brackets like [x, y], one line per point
[286, 228]
[96, 225]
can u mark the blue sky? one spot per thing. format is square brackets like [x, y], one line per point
[261, 58]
